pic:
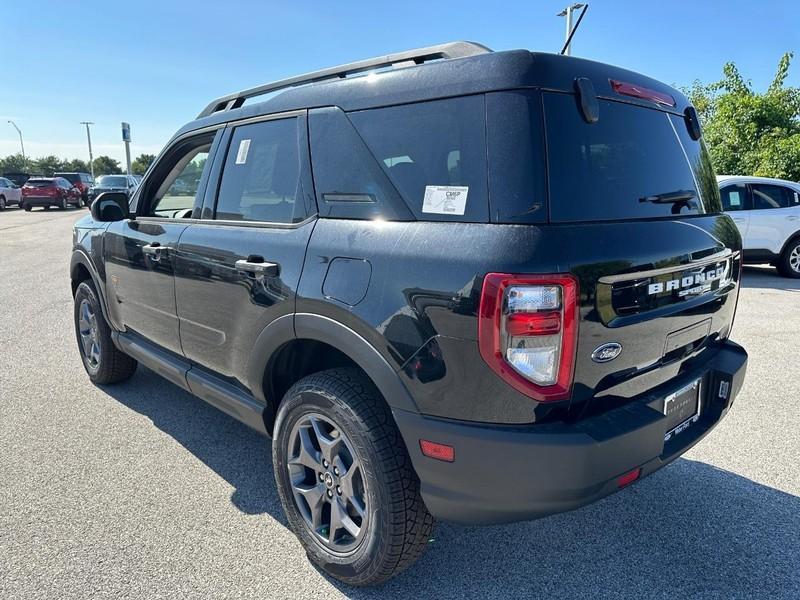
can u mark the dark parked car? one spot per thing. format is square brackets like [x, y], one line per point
[82, 181]
[49, 191]
[18, 178]
[112, 183]
[485, 287]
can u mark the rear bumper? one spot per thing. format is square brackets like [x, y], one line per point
[42, 201]
[503, 474]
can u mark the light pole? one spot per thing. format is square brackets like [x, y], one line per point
[567, 12]
[89, 139]
[22, 145]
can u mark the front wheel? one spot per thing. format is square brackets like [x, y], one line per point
[27, 207]
[103, 361]
[2, 203]
[345, 479]
[789, 263]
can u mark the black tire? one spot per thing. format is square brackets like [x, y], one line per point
[398, 525]
[2, 203]
[47, 207]
[27, 207]
[789, 262]
[63, 204]
[111, 364]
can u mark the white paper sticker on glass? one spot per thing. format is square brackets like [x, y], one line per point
[445, 199]
[241, 155]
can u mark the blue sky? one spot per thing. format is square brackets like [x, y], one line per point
[157, 64]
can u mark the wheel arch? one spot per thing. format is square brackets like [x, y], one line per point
[81, 268]
[792, 238]
[294, 346]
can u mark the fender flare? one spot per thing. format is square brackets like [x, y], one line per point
[79, 257]
[315, 327]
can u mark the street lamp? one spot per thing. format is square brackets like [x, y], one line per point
[24, 160]
[567, 12]
[89, 139]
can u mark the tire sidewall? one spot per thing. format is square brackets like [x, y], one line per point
[86, 291]
[785, 267]
[306, 400]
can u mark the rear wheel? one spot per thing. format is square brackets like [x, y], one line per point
[2, 203]
[27, 207]
[103, 361]
[62, 204]
[345, 479]
[789, 263]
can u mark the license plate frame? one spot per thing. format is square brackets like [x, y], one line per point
[677, 403]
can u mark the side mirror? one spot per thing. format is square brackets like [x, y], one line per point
[110, 206]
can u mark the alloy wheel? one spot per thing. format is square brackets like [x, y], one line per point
[328, 483]
[87, 327]
[794, 259]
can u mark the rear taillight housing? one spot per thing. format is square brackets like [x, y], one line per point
[527, 332]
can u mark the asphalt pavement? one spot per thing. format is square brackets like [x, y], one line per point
[142, 491]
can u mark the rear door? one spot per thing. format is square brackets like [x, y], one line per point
[774, 217]
[140, 252]
[736, 203]
[238, 266]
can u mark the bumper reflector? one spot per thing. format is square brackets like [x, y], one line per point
[629, 477]
[437, 451]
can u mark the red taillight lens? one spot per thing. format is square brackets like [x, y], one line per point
[527, 332]
[636, 91]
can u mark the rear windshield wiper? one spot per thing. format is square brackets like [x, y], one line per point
[678, 199]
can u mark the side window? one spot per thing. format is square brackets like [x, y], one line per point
[3, 183]
[771, 196]
[261, 177]
[177, 180]
[733, 197]
[434, 153]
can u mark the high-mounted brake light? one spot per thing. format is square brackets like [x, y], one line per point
[636, 91]
[527, 332]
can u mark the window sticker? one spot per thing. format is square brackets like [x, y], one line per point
[445, 199]
[241, 155]
[733, 197]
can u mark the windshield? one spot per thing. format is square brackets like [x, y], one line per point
[112, 181]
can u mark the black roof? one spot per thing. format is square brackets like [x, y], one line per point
[490, 71]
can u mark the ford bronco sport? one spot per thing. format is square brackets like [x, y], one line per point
[448, 283]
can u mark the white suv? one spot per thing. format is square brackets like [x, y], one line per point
[767, 213]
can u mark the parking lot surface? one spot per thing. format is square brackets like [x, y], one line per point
[142, 491]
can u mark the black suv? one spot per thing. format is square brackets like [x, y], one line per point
[449, 283]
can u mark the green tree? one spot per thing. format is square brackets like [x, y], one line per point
[142, 162]
[751, 133]
[46, 165]
[76, 165]
[14, 164]
[105, 165]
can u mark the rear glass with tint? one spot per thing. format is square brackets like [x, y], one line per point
[39, 183]
[607, 170]
[436, 147]
[71, 177]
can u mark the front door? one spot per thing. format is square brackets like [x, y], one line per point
[238, 267]
[140, 252]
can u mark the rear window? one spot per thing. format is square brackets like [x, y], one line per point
[71, 177]
[434, 153]
[620, 166]
[39, 183]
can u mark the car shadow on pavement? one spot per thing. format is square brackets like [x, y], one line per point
[767, 277]
[689, 530]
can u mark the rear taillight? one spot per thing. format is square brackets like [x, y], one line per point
[527, 332]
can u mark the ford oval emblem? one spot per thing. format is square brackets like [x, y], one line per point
[606, 352]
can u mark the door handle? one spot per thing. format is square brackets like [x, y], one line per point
[155, 251]
[257, 266]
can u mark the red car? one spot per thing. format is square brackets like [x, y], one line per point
[82, 181]
[49, 191]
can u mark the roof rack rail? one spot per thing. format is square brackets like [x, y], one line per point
[400, 59]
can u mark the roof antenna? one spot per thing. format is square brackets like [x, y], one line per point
[567, 12]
